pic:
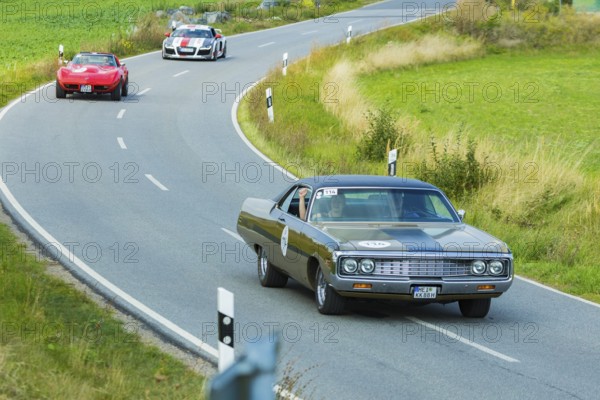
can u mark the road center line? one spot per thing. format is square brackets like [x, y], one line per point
[143, 92]
[121, 113]
[181, 73]
[266, 44]
[121, 143]
[156, 182]
[463, 340]
[308, 33]
[353, 22]
[232, 234]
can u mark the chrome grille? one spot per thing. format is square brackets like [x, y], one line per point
[421, 268]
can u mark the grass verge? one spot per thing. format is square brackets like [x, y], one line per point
[56, 343]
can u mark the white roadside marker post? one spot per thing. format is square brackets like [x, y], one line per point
[285, 64]
[349, 34]
[226, 335]
[270, 105]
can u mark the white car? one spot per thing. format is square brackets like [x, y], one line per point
[196, 42]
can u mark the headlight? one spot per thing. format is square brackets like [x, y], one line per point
[349, 265]
[478, 267]
[496, 267]
[367, 266]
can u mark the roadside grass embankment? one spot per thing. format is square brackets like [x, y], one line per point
[55, 343]
[520, 92]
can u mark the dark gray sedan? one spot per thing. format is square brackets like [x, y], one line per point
[351, 236]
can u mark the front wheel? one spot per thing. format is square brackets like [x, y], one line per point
[267, 274]
[224, 55]
[116, 94]
[60, 92]
[125, 88]
[329, 302]
[474, 308]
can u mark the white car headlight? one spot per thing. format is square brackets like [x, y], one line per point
[367, 266]
[349, 265]
[478, 267]
[496, 267]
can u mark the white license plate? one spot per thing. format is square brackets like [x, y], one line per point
[425, 292]
[186, 50]
[86, 88]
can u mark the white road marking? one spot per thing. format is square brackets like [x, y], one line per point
[121, 113]
[266, 44]
[181, 73]
[121, 143]
[353, 22]
[233, 234]
[591, 303]
[308, 33]
[143, 92]
[463, 340]
[156, 182]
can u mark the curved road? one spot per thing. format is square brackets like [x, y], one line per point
[143, 196]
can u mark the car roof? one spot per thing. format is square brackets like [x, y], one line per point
[317, 182]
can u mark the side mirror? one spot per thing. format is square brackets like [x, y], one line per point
[219, 36]
[461, 214]
[168, 34]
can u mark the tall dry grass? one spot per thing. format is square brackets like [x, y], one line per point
[351, 107]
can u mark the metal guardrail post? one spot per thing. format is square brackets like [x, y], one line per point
[252, 377]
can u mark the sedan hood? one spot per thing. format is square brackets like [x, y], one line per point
[98, 74]
[185, 42]
[414, 237]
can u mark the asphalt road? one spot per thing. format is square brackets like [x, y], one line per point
[144, 193]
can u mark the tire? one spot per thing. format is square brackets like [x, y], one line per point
[116, 94]
[60, 92]
[213, 56]
[474, 308]
[164, 54]
[267, 274]
[329, 302]
[125, 88]
[224, 52]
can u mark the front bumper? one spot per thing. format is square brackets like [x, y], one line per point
[446, 290]
[190, 53]
[75, 87]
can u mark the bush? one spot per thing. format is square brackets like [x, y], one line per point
[382, 132]
[457, 172]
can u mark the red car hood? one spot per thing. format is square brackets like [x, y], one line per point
[89, 74]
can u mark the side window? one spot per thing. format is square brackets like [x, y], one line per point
[291, 202]
[284, 204]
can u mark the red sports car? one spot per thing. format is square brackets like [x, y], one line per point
[93, 73]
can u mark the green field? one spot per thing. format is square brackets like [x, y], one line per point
[515, 99]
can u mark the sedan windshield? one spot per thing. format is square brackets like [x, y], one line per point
[380, 205]
[96, 59]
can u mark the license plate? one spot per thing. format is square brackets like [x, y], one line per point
[186, 50]
[425, 292]
[86, 88]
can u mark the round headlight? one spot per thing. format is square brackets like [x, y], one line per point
[478, 267]
[496, 267]
[349, 265]
[367, 266]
